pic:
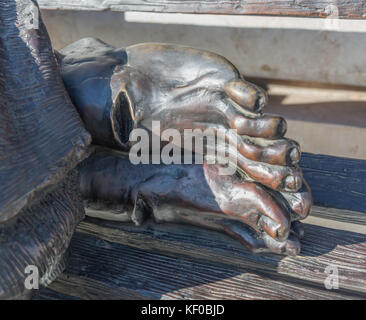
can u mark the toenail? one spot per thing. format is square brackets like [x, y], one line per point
[290, 182]
[294, 155]
[282, 127]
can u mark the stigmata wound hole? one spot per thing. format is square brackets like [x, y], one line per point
[123, 123]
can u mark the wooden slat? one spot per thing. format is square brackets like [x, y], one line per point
[353, 9]
[48, 294]
[121, 261]
[71, 287]
[341, 215]
[336, 182]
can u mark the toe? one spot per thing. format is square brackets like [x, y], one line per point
[290, 246]
[264, 126]
[300, 202]
[246, 95]
[277, 152]
[280, 178]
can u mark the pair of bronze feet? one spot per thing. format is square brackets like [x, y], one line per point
[42, 139]
[118, 90]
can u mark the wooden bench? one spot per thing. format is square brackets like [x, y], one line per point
[120, 261]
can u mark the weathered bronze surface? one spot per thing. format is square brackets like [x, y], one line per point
[41, 139]
[185, 88]
[115, 91]
[261, 219]
[42, 136]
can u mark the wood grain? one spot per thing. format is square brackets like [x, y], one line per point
[336, 182]
[352, 9]
[121, 261]
[341, 215]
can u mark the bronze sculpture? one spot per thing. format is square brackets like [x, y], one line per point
[115, 91]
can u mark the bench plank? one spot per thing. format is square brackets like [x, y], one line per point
[353, 9]
[344, 216]
[336, 182]
[122, 261]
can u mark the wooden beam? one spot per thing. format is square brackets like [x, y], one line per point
[348, 9]
[336, 182]
[112, 260]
